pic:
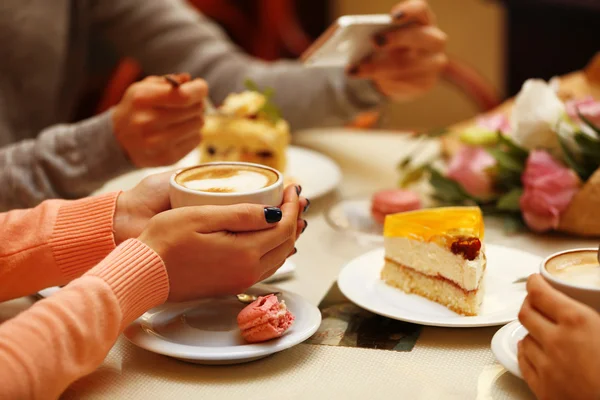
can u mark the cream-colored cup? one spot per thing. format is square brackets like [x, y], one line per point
[182, 196]
[583, 284]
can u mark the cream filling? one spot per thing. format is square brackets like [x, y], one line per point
[432, 259]
[282, 310]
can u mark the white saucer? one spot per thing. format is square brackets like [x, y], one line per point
[315, 172]
[360, 282]
[352, 216]
[285, 272]
[206, 331]
[504, 346]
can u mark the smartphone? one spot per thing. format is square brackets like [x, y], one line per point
[347, 41]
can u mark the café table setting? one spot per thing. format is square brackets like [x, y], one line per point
[339, 329]
[426, 362]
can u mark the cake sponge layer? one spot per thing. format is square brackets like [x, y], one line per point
[434, 288]
[432, 259]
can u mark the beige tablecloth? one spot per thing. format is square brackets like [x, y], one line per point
[445, 363]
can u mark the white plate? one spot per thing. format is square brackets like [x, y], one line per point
[352, 216]
[206, 331]
[361, 283]
[285, 272]
[504, 346]
[318, 174]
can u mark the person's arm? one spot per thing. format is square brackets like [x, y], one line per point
[54, 243]
[65, 337]
[64, 161]
[169, 36]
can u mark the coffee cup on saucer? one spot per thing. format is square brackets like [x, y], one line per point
[576, 273]
[226, 183]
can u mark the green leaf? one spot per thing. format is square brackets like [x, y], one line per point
[251, 85]
[404, 163]
[572, 161]
[510, 200]
[269, 110]
[479, 137]
[513, 149]
[507, 161]
[588, 145]
[589, 123]
[446, 189]
[411, 177]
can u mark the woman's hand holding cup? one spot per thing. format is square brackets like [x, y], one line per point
[216, 250]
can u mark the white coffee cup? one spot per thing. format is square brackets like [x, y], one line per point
[579, 287]
[271, 195]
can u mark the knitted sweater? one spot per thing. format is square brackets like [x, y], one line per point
[64, 337]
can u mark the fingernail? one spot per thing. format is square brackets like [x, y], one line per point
[353, 70]
[298, 189]
[380, 39]
[307, 205]
[398, 15]
[305, 226]
[273, 214]
[295, 251]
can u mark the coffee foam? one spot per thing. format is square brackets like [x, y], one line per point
[227, 179]
[578, 268]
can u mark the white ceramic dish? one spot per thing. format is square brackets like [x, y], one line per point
[285, 272]
[504, 346]
[360, 281]
[352, 216]
[317, 173]
[206, 331]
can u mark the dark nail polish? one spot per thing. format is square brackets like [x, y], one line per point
[273, 214]
[398, 15]
[353, 71]
[305, 226]
[307, 205]
[380, 39]
[295, 251]
[298, 189]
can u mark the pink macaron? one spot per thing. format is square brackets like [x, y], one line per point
[393, 201]
[265, 319]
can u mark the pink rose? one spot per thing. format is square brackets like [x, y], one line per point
[469, 168]
[495, 122]
[549, 188]
[588, 107]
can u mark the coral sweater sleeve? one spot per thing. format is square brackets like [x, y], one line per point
[64, 337]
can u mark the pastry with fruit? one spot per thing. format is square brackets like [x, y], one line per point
[248, 128]
[437, 253]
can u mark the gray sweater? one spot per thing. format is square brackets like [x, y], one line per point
[43, 46]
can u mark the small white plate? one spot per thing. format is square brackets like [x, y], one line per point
[360, 282]
[504, 346]
[315, 172]
[285, 272]
[352, 216]
[206, 331]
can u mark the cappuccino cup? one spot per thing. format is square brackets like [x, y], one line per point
[226, 183]
[576, 273]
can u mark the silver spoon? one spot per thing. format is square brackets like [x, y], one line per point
[249, 298]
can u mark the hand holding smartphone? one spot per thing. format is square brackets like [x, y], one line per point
[347, 41]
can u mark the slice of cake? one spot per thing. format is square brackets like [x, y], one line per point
[248, 128]
[438, 254]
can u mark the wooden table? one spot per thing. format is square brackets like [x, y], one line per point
[445, 363]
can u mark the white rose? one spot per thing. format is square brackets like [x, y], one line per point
[535, 115]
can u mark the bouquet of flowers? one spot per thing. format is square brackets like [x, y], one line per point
[539, 166]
